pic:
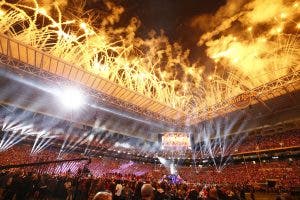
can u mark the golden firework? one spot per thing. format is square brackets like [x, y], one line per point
[149, 66]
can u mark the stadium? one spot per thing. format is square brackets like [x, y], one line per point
[149, 99]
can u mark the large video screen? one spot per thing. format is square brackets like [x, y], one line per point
[176, 140]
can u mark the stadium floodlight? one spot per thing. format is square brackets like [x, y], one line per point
[72, 98]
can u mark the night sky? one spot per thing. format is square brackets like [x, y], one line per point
[172, 16]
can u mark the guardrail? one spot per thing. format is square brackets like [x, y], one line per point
[36, 62]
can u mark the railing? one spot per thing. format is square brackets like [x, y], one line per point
[257, 95]
[35, 62]
[23, 57]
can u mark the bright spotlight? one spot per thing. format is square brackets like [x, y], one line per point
[72, 98]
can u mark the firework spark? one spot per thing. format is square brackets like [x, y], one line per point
[148, 66]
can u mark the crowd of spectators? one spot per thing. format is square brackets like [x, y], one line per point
[231, 183]
[271, 141]
[80, 178]
[285, 173]
[21, 154]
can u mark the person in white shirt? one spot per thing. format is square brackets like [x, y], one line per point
[118, 191]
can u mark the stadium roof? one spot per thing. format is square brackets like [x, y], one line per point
[149, 85]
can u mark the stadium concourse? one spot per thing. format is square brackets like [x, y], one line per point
[149, 100]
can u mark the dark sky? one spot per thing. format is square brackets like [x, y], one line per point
[173, 16]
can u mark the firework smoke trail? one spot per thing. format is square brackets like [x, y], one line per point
[88, 140]
[43, 145]
[257, 56]
[216, 140]
[18, 126]
[222, 138]
[70, 143]
[14, 132]
[38, 136]
[42, 141]
[124, 61]
[68, 46]
[8, 141]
